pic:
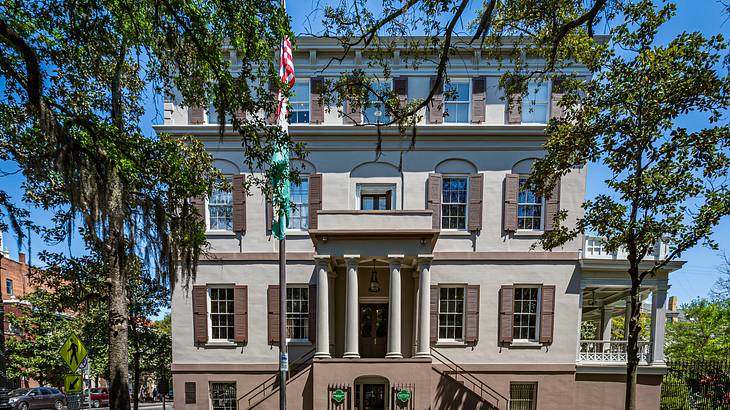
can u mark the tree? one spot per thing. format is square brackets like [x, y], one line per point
[431, 33]
[73, 78]
[668, 182]
[721, 288]
[704, 336]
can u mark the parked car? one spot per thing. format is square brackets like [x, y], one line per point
[99, 396]
[37, 398]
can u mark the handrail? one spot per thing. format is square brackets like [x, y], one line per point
[295, 368]
[456, 369]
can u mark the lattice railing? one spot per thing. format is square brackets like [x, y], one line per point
[611, 351]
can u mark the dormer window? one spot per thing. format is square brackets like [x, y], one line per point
[456, 101]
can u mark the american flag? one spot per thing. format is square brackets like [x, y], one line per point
[286, 74]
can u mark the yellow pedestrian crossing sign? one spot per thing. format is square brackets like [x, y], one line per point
[73, 352]
[73, 384]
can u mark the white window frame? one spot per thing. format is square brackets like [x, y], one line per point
[519, 204]
[293, 101]
[304, 225]
[367, 188]
[463, 314]
[447, 118]
[208, 213]
[235, 394]
[513, 401]
[209, 302]
[537, 313]
[466, 203]
[529, 101]
[306, 314]
[377, 83]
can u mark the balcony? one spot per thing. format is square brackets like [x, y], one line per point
[407, 232]
[611, 351]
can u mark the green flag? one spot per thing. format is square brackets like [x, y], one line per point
[279, 177]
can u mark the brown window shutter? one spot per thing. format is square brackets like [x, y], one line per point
[476, 199]
[196, 115]
[239, 203]
[556, 111]
[514, 109]
[200, 314]
[271, 117]
[316, 110]
[552, 206]
[472, 314]
[506, 314]
[272, 301]
[240, 313]
[478, 99]
[199, 206]
[315, 198]
[434, 199]
[312, 313]
[400, 85]
[511, 191]
[547, 314]
[351, 115]
[434, 317]
[436, 106]
[269, 209]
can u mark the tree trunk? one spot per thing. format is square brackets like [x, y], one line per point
[632, 348]
[135, 361]
[118, 304]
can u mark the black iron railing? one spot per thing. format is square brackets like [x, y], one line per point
[486, 393]
[696, 385]
[266, 388]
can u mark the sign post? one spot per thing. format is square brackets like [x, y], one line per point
[74, 354]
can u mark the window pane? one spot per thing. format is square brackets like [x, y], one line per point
[451, 313]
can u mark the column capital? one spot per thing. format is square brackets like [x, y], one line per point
[395, 259]
[351, 259]
[322, 261]
[422, 260]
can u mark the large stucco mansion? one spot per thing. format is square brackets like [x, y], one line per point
[412, 282]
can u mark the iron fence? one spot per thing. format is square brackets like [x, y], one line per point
[696, 385]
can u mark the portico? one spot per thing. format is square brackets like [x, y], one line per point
[374, 316]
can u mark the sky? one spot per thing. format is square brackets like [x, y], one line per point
[692, 281]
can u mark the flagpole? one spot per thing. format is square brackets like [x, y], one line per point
[283, 350]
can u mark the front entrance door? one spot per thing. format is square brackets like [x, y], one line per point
[373, 329]
[370, 396]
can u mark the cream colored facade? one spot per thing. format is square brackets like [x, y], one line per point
[410, 258]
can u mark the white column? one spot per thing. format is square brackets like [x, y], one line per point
[331, 282]
[605, 331]
[424, 306]
[352, 310]
[658, 320]
[394, 310]
[323, 309]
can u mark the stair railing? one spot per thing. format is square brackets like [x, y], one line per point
[268, 386]
[480, 387]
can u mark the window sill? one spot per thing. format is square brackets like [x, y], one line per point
[445, 232]
[525, 344]
[221, 234]
[297, 233]
[528, 233]
[450, 343]
[299, 343]
[222, 344]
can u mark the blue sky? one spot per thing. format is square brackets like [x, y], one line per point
[695, 279]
